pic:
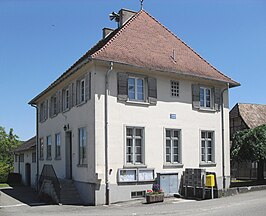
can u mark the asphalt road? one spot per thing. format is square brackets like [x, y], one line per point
[250, 204]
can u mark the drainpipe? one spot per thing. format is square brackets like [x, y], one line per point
[222, 116]
[107, 194]
[37, 146]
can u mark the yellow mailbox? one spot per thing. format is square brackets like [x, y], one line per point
[210, 182]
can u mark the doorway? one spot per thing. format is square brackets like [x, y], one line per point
[28, 174]
[68, 155]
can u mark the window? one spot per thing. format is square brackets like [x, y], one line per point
[43, 111]
[207, 144]
[66, 99]
[134, 145]
[21, 157]
[53, 107]
[174, 88]
[81, 91]
[205, 97]
[57, 146]
[82, 146]
[136, 88]
[49, 147]
[137, 194]
[33, 157]
[41, 148]
[172, 146]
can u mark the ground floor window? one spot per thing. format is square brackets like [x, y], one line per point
[207, 146]
[57, 146]
[82, 145]
[49, 147]
[172, 146]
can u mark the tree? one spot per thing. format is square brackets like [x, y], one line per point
[250, 145]
[8, 142]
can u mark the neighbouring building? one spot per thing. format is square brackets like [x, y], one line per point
[25, 162]
[246, 116]
[139, 104]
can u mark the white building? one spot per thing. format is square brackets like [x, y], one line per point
[139, 103]
[25, 162]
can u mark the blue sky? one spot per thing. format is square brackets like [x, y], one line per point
[40, 39]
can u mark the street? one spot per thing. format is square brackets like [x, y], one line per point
[252, 203]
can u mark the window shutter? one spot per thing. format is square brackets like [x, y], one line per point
[77, 92]
[58, 101]
[122, 86]
[195, 96]
[46, 108]
[88, 86]
[70, 95]
[217, 99]
[39, 112]
[50, 107]
[152, 90]
[73, 89]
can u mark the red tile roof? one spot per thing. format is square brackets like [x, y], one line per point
[27, 145]
[144, 42]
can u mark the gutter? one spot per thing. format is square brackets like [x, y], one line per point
[37, 146]
[107, 189]
[222, 117]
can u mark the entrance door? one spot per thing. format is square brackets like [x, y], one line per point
[28, 174]
[68, 155]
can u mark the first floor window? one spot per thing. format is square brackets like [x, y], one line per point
[136, 88]
[82, 145]
[41, 148]
[21, 157]
[172, 146]
[134, 145]
[205, 97]
[49, 147]
[53, 106]
[57, 146]
[207, 144]
[66, 99]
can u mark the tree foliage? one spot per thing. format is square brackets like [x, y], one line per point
[8, 142]
[250, 145]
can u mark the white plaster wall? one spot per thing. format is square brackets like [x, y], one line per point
[77, 117]
[155, 119]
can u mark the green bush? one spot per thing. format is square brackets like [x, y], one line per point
[3, 172]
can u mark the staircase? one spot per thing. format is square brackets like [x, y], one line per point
[69, 194]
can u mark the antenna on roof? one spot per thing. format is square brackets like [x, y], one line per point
[141, 4]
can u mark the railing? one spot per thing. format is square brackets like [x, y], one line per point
[48, 173]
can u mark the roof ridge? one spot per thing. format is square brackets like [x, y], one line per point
[117, 33]
[186, 45]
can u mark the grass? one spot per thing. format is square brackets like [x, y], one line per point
[2, 185]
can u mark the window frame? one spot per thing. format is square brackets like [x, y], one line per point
[49, 147]
[204, 106]
[206, 147]
[53, 101]
[82, 91]
[136, 78]
[179, 146]
[82, 145]
[134, 138]
[41, 152]
[57, 150]
[66, 99]
[174, 88]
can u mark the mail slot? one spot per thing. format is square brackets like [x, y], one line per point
[210, 182]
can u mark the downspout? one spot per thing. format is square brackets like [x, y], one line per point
[223, 154]
[37, 146]
[107, 194]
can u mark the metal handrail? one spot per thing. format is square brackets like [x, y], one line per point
[48, 173]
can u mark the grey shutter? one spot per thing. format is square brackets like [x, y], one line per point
[74, 96]
[152, 90]
[88, 86]
[195, 96]
[217, 99]
[58, 101]
[50, 107]
[46, 108]
[77, 92]
[70, 95]
[39, 112]
[122, 86]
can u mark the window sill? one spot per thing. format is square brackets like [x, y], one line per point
[177, 165]
[210, 164]
[128, 166]
[82, 165]
[203, 109]
[141, 103]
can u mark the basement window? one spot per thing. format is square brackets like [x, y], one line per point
[137, 194]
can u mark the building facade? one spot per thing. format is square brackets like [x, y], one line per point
[132, 109]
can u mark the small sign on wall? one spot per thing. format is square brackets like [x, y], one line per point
[172, 116]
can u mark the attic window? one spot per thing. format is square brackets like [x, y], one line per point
[174, 88]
